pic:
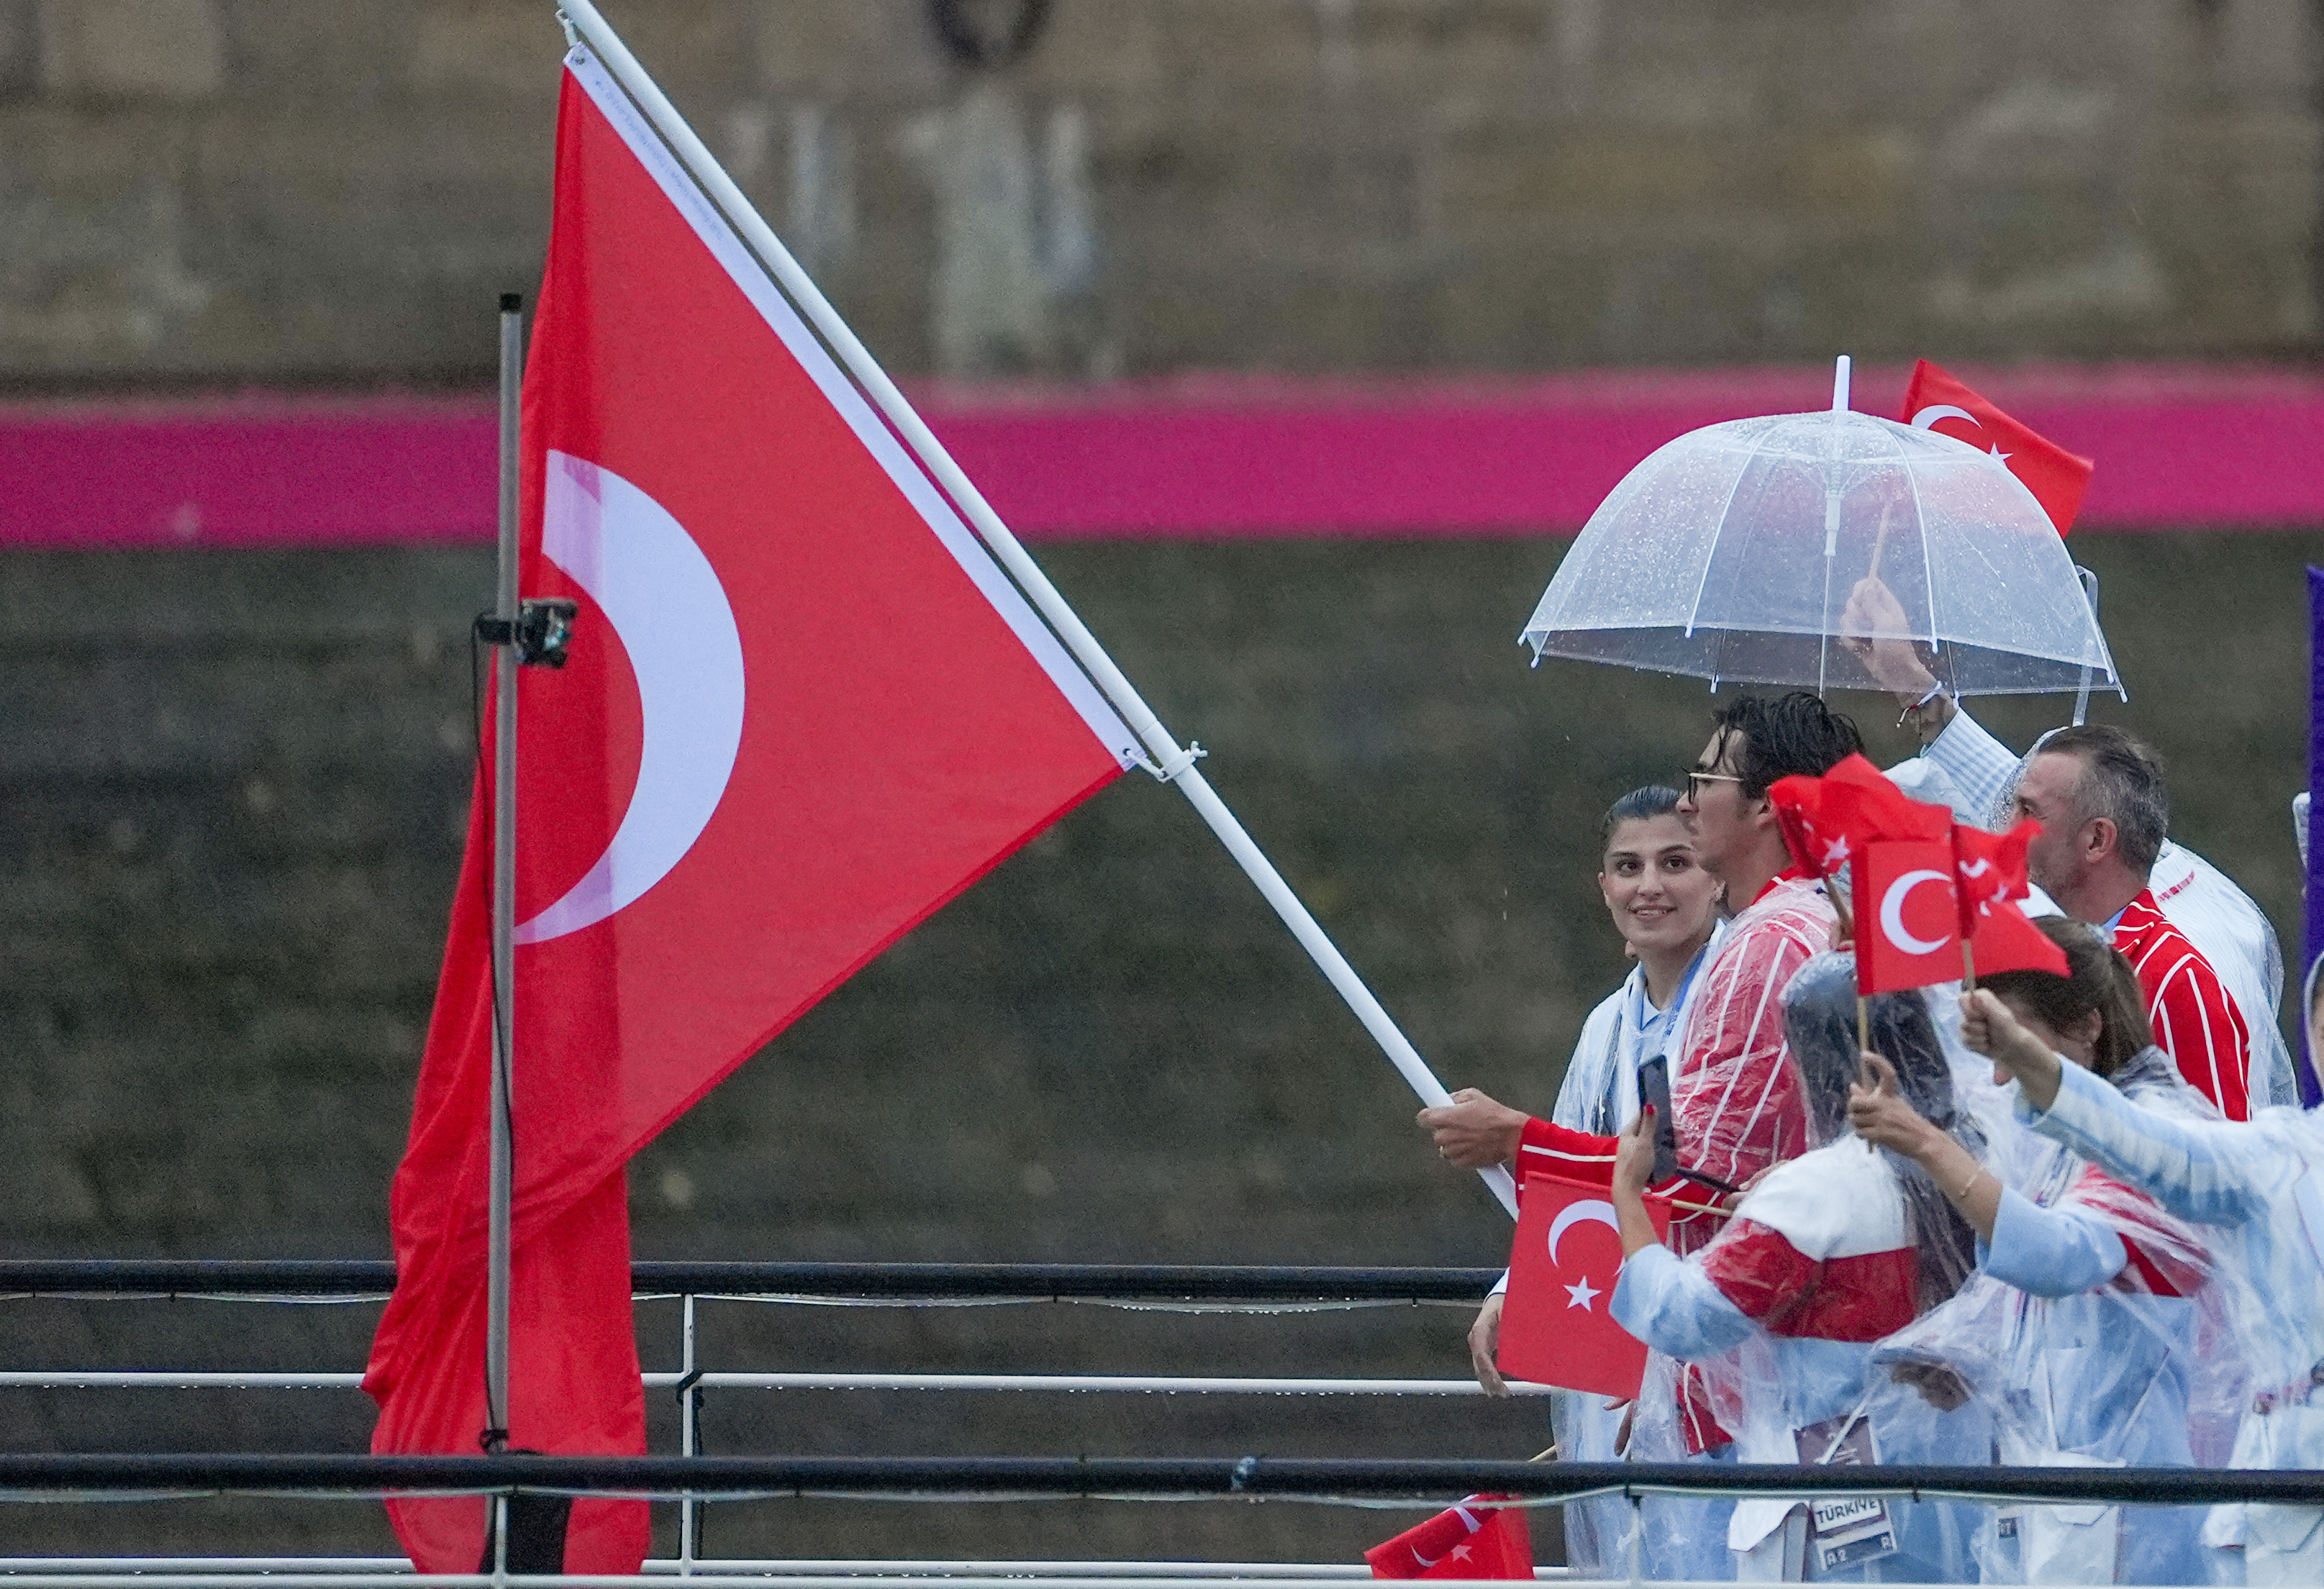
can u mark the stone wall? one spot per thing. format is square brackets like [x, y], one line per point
[214, 191]
[232, 795]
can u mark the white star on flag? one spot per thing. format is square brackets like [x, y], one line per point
[1581, 1294]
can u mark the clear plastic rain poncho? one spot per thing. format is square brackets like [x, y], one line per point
[1790, 1393]
[1729, 554]
[2145, 1370]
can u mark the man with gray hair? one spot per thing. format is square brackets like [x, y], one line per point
[2098, 792]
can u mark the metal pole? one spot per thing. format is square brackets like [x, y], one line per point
[581, 16]
[687, 1413]
[503, 979]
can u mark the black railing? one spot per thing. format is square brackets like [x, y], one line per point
[899, 1282]
[1287, 1478]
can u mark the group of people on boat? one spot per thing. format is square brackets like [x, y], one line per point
[2054, 1220]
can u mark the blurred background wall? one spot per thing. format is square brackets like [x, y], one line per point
[333, 190]
[232, 784]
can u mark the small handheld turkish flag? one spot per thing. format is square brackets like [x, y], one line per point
[1988, 879]
[1937, 402]
[1988, 869]
[1472, 1541]
[1859, 802]
[1556, 1329]
[2007, 940]
[1907, 929]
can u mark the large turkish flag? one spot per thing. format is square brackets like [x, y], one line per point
[803, 708]
[1556, 1326]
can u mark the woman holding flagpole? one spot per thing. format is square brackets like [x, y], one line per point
[1666, 906]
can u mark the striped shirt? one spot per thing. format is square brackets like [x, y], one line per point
[1736, 1098]
[2195, 1021]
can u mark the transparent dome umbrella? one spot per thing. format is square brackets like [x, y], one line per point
[1731, 552]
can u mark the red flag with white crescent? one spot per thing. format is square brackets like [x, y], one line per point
[1474, 1539]
[1935, 400]
[1990, 868]
[803, 709]
[1557, 1327]
[1907, 927]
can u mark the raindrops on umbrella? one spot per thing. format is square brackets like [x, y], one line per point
[1731, 552]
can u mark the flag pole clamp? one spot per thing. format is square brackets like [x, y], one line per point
[542, 631]
[572, 34]
[1171, 768]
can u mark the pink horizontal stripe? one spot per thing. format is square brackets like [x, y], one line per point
[1215, 456]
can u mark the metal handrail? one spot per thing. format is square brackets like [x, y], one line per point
[362, 1277]
[1432, 1480]
[172, 1379]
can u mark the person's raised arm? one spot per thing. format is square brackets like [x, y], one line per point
[1892, 658]
[1474, 1132]
[2213, 1171]
[1880, 1115]
[2017, 1055]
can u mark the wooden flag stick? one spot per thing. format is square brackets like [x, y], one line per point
[1969, 968]
[1839, 897]
[1864, 1044]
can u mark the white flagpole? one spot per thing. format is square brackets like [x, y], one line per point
[503, 948]
[1176, 766]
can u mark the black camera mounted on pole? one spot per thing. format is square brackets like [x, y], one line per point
[540, 631]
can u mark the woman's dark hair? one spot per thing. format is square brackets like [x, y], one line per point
[2096, 978]
[1820, 1027]
[1774, 739]
[1653, 801]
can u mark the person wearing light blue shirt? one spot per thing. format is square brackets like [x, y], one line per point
[2082, 1329]
[1665, 907]
[2264, 1180]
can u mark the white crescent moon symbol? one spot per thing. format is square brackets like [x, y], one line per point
[1574, 1214]
[1929, 416]
[664, 601]
[1892, 913]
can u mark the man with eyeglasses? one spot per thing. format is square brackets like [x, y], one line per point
[1734, 1099]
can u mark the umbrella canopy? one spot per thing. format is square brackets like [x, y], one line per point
[1731, 552]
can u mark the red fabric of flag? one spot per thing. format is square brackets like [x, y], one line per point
[2007, 939]
[803, 709]
[1798, 802]
[1861, 804]
[1472, 1541]
[1557, 1327]
[1907, 929]
[1988, 869]
[1934, 400]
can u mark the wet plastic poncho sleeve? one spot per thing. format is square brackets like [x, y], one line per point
[1672, 1306]
[2052, 1251]
[2212, 1172]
